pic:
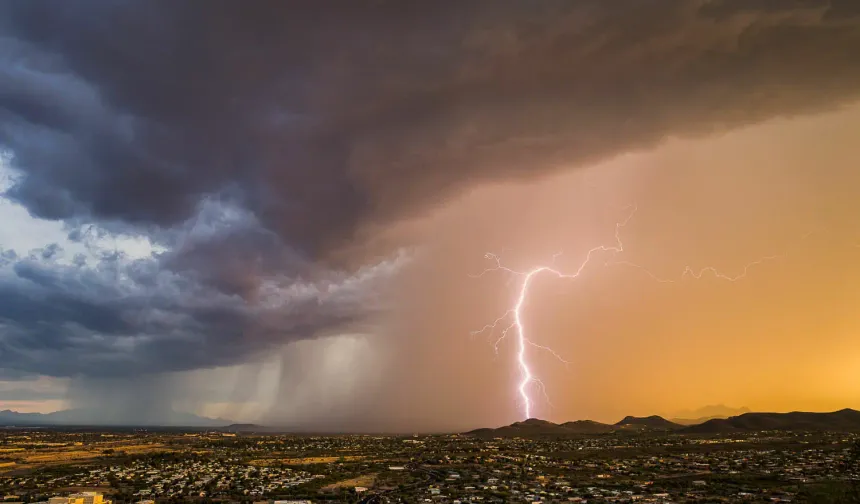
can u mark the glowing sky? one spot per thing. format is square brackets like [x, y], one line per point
[275, 215]
[782, 338]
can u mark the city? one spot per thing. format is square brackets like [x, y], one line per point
[171, 466]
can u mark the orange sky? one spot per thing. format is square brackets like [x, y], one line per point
[782, 338]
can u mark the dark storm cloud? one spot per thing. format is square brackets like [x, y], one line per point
[328, 115]
[316, 118]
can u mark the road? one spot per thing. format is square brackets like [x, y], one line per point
[432, 476]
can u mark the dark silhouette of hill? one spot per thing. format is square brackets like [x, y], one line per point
[534, 427]
[527, 428]
[705, 413]
[650, 422]
[842, 420]
[697, 421]
[587, 427]
[534, 423]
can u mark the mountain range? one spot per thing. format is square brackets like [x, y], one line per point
[534, 426]
[79, 417]
[842, 420]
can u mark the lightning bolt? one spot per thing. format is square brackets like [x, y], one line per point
[514, 316]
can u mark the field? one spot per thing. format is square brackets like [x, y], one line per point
[17, 460]
[365, 480]
[306, 460]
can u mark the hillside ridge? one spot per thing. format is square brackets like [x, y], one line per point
[845, 419]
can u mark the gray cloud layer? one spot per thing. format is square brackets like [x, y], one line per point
[315, 119]
[220, 298]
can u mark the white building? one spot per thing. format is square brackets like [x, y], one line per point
[80, 498]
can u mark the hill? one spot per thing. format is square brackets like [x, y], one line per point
[702, 415]
[650, 422]
[534, 427]
[529, 428]
[696, 421]
[842, 420]
[587, 427]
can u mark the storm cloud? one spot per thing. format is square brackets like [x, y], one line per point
[255, 142]
[324, 117]
[221, 297]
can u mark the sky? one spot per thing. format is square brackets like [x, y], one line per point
[290, 213]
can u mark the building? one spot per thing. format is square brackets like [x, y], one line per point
[80, 498]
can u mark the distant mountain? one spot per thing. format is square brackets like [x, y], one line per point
[701, 415]
[534, 427]
[9, 417]
[245, 428]
[86, 417]
[842, 420]
[696, 421]
[651, 422]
